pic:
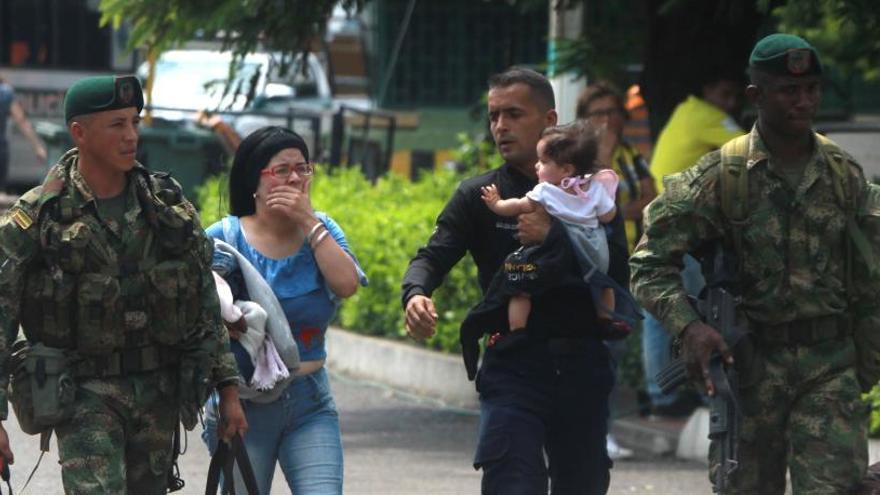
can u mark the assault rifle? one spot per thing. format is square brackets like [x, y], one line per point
[717, 307]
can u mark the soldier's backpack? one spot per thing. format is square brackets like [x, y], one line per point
[735, 208]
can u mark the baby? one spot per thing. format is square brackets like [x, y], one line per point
[571, 189]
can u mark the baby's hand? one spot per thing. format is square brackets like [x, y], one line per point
[490, 194]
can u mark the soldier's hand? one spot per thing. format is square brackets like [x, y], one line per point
[699, 342]
[533, 227]
[5, 449]
[232, 419]
[421, 317]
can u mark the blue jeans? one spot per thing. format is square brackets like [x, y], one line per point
[299, 431]
[656, 340]
[540, 399]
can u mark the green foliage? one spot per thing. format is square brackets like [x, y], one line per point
[873, 398]
[476, 154]
[846, 32]
[285, 27]
[613, 34]
[385, 224]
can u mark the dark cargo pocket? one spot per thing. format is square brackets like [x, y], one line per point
[99, 321]
[173, 302]
[492, 447]
[22, 399]
[48, 308]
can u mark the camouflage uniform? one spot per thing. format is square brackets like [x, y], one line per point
[135, 305]
[805, 408]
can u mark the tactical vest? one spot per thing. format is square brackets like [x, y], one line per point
[734, 206]
[735, 184]
[80, 295]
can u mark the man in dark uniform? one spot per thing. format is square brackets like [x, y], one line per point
[107, 269]
[549, 393]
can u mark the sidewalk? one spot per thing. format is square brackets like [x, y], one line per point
[441, 378]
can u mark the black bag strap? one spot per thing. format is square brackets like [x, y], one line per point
[5, 475]
[225, 457]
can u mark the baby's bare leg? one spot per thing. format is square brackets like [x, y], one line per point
[518, 310]
[607, 303]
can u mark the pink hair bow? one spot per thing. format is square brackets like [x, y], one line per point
[581, 183]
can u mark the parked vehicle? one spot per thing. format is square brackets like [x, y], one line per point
[188, 81]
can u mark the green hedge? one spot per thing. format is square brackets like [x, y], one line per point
[385, 223]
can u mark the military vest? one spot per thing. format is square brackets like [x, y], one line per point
[735, 183]
[84, 295]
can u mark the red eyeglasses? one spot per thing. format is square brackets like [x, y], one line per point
[284, 170]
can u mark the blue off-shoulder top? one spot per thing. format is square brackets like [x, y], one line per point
[307, 301]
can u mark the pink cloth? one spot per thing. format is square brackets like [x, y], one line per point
[269, 369]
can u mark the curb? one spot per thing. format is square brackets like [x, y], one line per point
[442, 377]
[645, 438]
[402, 366]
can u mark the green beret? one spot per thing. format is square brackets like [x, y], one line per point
[102, 93]
[785, 55]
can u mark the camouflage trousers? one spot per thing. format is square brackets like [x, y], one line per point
[119, 440]
[806, 414]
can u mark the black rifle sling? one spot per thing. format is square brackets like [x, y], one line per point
[225, 457]
[5, 475]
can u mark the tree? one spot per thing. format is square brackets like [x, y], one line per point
[285, 27]
[846, 32]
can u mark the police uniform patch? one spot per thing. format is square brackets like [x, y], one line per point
[22, 219]
[797, 60]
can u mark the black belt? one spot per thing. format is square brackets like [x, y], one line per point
[807, 331]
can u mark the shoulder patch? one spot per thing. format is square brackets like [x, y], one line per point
[20, 218]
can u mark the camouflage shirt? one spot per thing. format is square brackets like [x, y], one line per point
[793, 240]
[20, 246]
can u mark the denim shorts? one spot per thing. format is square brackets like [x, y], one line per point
[299, 431]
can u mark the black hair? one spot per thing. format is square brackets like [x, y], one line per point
[595, 91]
[576, 143]
[715, 74]
[537, 83]
[251, 157]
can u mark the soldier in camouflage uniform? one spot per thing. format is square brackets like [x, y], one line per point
[803, 409]
[108, 262]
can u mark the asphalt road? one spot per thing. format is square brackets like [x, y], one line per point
[394, 444]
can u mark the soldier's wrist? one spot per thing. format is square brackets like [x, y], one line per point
[686, 328]
[230, 382]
